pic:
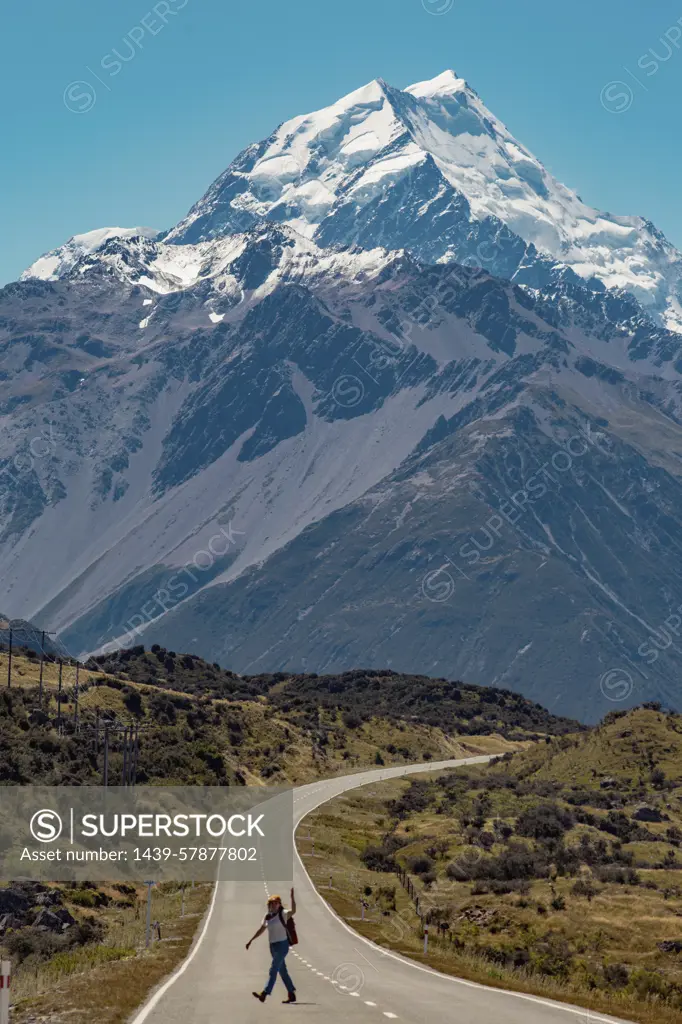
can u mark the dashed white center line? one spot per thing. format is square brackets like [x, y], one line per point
[387, 1013]
[369, 1003]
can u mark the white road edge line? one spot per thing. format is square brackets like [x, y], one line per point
[575, 1010]
[160, 993]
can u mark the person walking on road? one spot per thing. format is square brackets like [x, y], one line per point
[276, 921]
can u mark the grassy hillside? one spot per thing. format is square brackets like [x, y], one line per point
[626, 746]
[453, 706]
[557, 869]
[204, 739]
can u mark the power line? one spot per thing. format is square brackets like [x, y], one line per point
[127, 733]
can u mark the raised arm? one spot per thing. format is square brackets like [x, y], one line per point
[293, 902]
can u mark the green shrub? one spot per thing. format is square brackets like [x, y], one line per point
[420, 864]
[552, 957]
[31, 942]
[378, 858]
[584, 887]
[88, 898]
[646, 984]
[544, 822]
[616, 975]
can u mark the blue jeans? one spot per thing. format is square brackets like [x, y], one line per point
[279, 952]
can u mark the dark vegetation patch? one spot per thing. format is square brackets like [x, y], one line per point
[359, 694]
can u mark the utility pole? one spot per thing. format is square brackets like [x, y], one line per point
[130, 748]
[130, 756]
[105, 780]
[45, 632]
[42, 659]
[9, 660]
[136, 752]
[124, 778]
[59, 699]
[75, 700]
[149, 914]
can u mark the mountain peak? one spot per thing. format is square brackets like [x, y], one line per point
[373, 92]
[446, 83]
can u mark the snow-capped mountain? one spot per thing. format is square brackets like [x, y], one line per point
[431, 169]
[306, 429]
[61, 261]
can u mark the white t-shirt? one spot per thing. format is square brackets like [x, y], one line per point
[276, 930]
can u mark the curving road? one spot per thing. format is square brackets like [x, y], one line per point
[338, 974]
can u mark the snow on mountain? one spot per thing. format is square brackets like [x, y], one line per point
[58, 262]
[379, 161]
[221, 273]
[320, 171]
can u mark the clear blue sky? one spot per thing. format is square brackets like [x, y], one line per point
[223, 73]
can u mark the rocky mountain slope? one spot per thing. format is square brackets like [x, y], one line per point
[389, 396]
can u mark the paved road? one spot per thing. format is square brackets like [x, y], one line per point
[339, 975]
